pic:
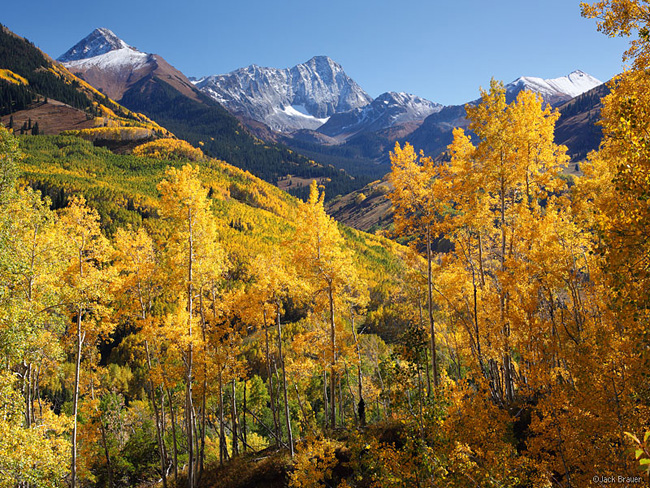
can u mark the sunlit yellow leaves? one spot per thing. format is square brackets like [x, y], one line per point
[313, 464]
[12, 77]
[622, 18]
[169, 149]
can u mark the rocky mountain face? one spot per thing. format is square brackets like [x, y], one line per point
[387, 110]
[98, 42]
[302, 97]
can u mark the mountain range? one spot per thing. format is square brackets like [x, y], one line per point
[308, 121]
[306, 106]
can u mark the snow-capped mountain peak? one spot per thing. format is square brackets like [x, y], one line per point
[98, 42]
[103, 50]
[107, 62]
[319, 88]
[555, 90]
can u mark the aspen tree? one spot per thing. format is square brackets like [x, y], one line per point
[321, 257]
[87, 280]
[503, 179]
[34, 444]
[418, 212]
[275, 284]
[138, 265]
[185, 205]
[615, 194]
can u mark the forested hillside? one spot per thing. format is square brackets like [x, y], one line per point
[169, 320]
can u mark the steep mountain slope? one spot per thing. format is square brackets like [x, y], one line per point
[578, 127]
[368, 209]
[123, 189]
[302, 97]
[387, 110]
[147, 83]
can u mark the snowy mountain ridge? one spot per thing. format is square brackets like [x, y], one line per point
[387, 110]
[555, 90]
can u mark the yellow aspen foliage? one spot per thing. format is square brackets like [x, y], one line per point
[418, 205]
[495, 190]
[522, 287]
[169, 149]
[614, 196]
[313, 464]
[196, 261]
[137, 263]
[623, 18]
[88, 282]
[11, 77]
[37, 455]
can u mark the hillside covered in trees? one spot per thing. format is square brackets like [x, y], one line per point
[168, 319]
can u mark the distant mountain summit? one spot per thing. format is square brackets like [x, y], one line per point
[302, 97]
[554, 90]
[98, 42]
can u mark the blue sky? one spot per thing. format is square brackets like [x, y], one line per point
[440, 50]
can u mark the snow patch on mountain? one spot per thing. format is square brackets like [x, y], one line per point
[294, 117]
[103, 50]
[126, 58]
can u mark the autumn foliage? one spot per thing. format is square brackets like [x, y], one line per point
[169, 149]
